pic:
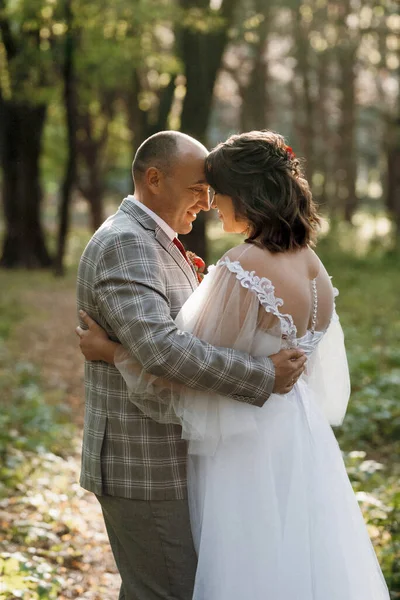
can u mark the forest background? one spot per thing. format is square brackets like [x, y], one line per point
[82, 84]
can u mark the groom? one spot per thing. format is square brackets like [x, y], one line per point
[133, 279]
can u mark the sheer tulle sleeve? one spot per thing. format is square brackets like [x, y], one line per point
[328, 373]
[224, 312]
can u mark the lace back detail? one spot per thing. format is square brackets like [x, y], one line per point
[265, 292]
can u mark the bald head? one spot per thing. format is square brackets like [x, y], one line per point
[162, 151]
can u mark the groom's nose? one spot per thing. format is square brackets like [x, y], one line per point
[204, 200]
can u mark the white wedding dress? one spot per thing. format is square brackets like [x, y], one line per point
[273, 513]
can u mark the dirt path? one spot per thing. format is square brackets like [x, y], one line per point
[46, 338]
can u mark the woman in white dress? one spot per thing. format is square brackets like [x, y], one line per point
[273, 513]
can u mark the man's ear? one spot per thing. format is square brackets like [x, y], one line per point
[153, 178]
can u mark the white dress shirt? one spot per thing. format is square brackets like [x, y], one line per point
[164, 226]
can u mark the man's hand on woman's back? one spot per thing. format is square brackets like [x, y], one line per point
[289, 366]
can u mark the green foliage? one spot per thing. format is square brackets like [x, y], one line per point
[40, 529]
[32, 420]
[30, 423]
[10, 313]
[118, 38]
[379, 498]
[34, 429]
[27, 576]
[220, 242]
[30, 66]
[370, 315]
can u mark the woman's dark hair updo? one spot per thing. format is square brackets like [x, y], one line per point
[264, 178]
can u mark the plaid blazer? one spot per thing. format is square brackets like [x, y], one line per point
[133, 281]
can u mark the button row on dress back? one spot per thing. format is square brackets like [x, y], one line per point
[315, 305]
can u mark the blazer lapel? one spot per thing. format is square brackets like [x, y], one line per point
[135, 212]
[170, 247]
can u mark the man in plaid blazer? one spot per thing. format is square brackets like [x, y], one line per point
[133, 279]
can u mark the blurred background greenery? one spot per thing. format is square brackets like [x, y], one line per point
[82, 84]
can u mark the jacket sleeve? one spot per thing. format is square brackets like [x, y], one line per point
[131, 296]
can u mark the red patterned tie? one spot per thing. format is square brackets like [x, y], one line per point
[181, 249]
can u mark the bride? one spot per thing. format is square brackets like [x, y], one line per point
[272, 510]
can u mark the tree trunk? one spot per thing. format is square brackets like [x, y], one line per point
[71, 119]
[393, 193]
[347, 136]
[137, 118]
[347, 152]
[201, 53]
[95, 197]
[91, 151]
[256, 103]
[140, 122]
[306, 116]
[325, 141]
[22, 132]
[393, 176]
[24, 242]
[164, 108]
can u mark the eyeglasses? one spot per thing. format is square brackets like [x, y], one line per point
[211, 194]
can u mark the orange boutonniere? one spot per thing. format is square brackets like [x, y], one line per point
[198, 264]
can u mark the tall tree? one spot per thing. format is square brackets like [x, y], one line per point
[393, 173]
[201, 46]
[71, 122]
[347, 157]
[23, 118]
[256, 100]
[304, 106]
[131, 72]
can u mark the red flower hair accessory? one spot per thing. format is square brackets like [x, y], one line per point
[198, 264]
[289, 152]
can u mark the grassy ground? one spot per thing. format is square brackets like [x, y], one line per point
[54, 541]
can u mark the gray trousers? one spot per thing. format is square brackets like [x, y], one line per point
[152, 546]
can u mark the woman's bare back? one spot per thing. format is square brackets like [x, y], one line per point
[292, 274]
